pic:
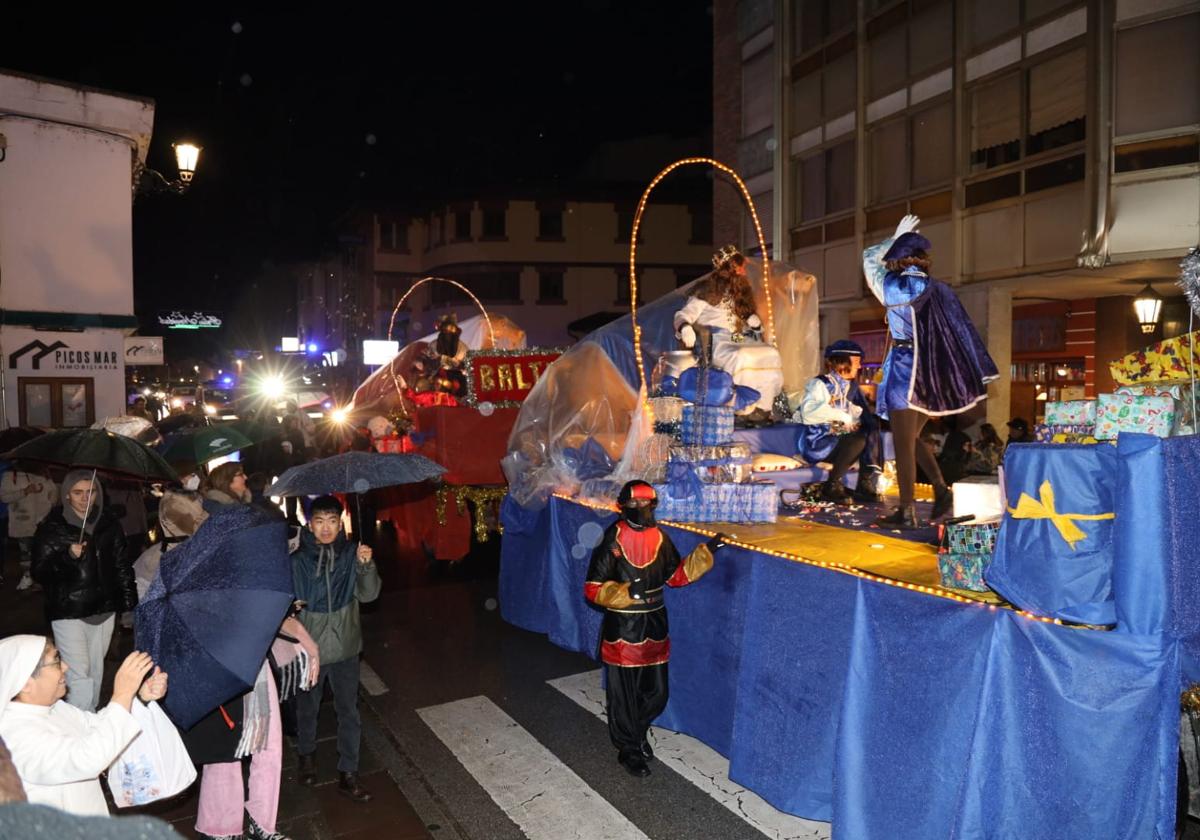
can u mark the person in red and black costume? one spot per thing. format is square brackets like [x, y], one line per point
[628, 570]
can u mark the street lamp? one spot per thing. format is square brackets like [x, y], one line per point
[1148, 306]
[147, 180]
[186, 156]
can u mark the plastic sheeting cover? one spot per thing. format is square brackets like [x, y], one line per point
[589, 392]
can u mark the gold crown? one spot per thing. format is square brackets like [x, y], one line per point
[724, 255]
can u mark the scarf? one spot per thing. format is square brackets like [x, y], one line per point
[69, 514]
[19, 656]
[223, 498]
[256, 715]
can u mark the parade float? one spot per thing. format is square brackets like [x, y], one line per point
[453, 397]
[1029, 685]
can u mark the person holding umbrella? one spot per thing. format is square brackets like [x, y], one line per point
[80, 560]
[333, 575]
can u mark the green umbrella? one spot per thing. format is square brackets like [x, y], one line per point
[97, 449]
[199, 446]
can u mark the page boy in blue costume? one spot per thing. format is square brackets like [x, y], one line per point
[839, 426]
[937, 364]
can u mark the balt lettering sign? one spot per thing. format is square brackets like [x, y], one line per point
[505, 377]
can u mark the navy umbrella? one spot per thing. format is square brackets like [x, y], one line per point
[354, 472]
[210, 616]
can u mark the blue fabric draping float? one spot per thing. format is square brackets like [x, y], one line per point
[900, 715]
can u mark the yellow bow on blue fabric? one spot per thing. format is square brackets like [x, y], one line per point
[1043, 508]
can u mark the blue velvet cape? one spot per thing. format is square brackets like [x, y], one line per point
[952, 366]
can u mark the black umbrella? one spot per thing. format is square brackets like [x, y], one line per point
[14, 436]
[354, 472]
[175, 422]
[96, 449]
[211, 614]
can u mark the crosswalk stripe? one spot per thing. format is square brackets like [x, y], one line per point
[701, 765]
[541, 794]
[370, 680]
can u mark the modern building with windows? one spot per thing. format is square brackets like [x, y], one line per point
[545, 263]
[1051, 148]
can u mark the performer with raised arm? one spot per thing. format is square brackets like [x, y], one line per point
[937, 364]
[626, 576]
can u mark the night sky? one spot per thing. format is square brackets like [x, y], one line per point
[304, 113]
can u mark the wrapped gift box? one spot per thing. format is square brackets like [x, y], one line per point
[751, 501]
[706, 425]
[667, 409]
[1116, 413]
[1174, 358]
[963, 570]
[723, 464]
[977, 537]
[1181, 392]
[1071, 413]
[1044, 433]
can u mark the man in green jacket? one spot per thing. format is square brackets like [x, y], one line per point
[333, 575]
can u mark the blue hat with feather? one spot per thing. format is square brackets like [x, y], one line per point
[907, 245]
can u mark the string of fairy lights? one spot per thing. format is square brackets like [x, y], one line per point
[637, 222]
[843, 568]
[400, 304]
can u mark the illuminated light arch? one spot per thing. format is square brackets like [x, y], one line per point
[637, 221]
[404, 298]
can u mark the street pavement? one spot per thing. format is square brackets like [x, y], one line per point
[476, 730]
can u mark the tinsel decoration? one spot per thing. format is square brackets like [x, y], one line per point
[1189, 700]
[1189, 278]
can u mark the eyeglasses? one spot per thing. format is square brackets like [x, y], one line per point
[56, 662]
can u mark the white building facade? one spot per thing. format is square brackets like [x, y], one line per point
[67, 158]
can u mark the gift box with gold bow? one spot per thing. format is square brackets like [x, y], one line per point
[1054, 552]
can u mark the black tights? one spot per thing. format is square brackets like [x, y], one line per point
[911, 449]
[849, 448]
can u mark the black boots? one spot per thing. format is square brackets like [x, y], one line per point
[833, 491]
[634, 763]
[307, 770]
[349, 786]
[943, 501]
[903, 517]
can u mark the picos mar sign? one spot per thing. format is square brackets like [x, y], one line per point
[60, 357]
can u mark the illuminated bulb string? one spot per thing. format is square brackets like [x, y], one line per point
[637, 222]
[842, 568]
[400, 303]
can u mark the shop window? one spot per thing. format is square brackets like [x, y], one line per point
[494, 226]
[1158, 75]
[889, 160]
[825, 182]
[990, 20]
[462, 224]
[1057, 102]
[811, 24]
[887, 62]
[623, 287]
[931, 38]
[806, 103]
[995, 112]
[1054, 174]
[56, 402]
[550, 287]
[932, 146]
[993, 189]
[1154, 154]
[758, 108]
[839, 81]
[764, 205]
[550, 224]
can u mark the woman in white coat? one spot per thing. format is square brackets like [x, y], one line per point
[60, 751]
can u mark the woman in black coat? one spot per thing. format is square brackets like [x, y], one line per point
[80, 559]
